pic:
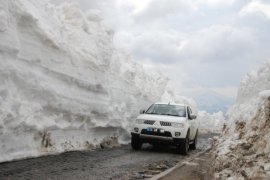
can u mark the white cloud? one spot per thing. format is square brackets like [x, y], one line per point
[218, 43]
[198, 43]
[216, 2]
[138, 5]
[214, 43]
[256, 7]
[209, 57]
[160, 45]
[156, 9]
[229, 91]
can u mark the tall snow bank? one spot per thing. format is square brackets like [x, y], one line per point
[63, 85]
[244, 150]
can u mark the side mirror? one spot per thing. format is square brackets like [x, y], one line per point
[142, 111]
[193, 116]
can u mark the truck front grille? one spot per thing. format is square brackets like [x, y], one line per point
[162, 123]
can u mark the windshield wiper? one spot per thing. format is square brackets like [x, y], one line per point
[171, 115]
[151, 113]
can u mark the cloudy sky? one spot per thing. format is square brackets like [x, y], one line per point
[202, 45]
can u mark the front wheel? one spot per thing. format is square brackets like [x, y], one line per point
[183, 147]
[136, 144]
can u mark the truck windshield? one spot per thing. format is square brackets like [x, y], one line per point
[167, 109]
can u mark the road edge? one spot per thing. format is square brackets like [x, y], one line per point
[178, 165]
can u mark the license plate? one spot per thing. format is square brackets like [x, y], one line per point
[149, 129]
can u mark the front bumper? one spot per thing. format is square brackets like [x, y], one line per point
[170, 131]
[145, 138]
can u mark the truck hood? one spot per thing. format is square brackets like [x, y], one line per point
[164, 118]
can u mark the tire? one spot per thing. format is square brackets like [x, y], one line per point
[136, 144]
[183, 147]
[193, 146]
[156, 146]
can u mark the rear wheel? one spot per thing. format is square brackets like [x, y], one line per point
[136, 144]
[155, 145]
[194, 144]
[183, 147]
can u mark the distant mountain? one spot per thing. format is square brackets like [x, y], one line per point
[211, 101]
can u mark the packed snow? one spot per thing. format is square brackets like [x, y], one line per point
[243, 152]
[63, 84]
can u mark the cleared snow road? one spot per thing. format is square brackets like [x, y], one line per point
[112, 163]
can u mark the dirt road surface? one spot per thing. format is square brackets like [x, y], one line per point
[109, 163]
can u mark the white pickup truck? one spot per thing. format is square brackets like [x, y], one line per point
[166, 123]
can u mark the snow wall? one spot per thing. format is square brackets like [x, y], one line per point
[244, 150]
[63, 85]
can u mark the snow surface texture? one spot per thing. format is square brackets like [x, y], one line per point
[63, 85]
[244, 150]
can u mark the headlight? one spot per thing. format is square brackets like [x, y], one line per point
[178, 125]
[139, 121]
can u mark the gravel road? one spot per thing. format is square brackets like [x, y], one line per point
[108, 163]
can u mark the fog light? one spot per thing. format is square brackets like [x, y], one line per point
[136, 129]
[162, 131]
[177, 134]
